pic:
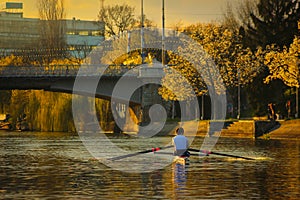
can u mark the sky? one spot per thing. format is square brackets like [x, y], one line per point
[186, 11]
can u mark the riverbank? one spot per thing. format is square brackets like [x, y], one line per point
[289, 129]
[265, 129]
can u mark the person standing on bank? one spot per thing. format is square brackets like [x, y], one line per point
[180, 143]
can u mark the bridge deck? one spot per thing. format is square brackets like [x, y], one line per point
[61, 78]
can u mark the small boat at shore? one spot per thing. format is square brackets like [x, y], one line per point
[5, 126]
[4, 123]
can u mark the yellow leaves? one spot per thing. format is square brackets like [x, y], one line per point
[133, 60]
[226, 50]
[219, 44]
[69, 61]
[11, 60]
[175, 87]
[295, 47]
[284, 65]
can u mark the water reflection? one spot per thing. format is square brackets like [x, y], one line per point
[180, 175]
[47, 165]
[179, 180]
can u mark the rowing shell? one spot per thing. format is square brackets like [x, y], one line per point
[183, 160]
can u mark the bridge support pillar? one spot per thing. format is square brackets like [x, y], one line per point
[119, 111]
[150, 97]
[151, 77]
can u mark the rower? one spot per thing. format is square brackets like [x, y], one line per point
[180, 143]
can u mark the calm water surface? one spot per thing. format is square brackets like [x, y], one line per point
[58, 166]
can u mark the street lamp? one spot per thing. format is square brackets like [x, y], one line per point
[142, 31]
[163, 34]
[297, 92]
[202, 107]
[297, 106]
[239, 95]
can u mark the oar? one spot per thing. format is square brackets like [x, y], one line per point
[140, 152]
[220, 154]
[170, 153]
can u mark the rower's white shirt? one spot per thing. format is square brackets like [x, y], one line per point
[180, 142]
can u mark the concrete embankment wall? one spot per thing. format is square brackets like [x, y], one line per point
[190, 128]
[241, 128]
[249, 128]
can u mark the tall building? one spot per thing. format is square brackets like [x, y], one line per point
[19, 33]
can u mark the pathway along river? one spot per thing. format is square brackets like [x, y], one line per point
[57, 166]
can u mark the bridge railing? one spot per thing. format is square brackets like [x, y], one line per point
[47, 70]
[61, 71]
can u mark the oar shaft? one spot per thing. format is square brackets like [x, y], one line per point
[233, 156]
[140, 152]
[170, 153]
[220, 154]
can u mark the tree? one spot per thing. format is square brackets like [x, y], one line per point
[4, 101]
[11, 60]
[52, 13]
[180, 79]
[147, 22]
[263, 23]
[120, 18]
[275, 24]
[117, 18]
[18, 102]
[284, 65]
[239, 16]
[225, 48]
[234, 65]
[271, 22]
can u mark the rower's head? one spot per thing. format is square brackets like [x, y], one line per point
[179, 131]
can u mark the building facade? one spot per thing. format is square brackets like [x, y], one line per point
[19, 33]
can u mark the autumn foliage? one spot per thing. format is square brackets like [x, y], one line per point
[235, 64]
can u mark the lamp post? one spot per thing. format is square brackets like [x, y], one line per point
[142, 116]
[202, 107]
[297, 104]
[163, 34]
[142, 31]
[239, 95]
[297, 89]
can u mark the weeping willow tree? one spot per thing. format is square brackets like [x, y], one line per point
[19, 100]
[4, 101]
[52, 111]
[45, 111]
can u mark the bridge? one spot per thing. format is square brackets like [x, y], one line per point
[61, 78]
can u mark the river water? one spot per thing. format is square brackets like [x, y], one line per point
[58, 166]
